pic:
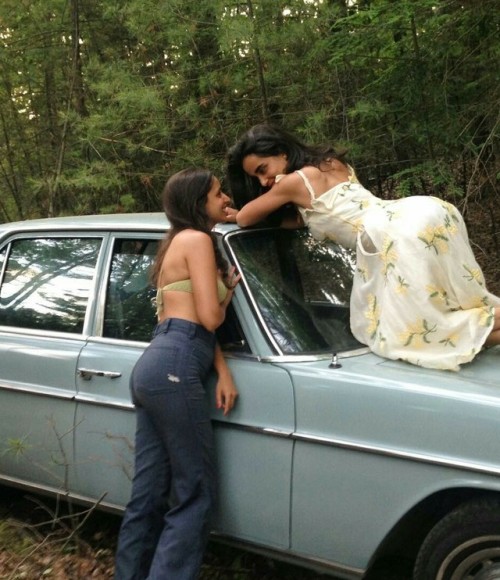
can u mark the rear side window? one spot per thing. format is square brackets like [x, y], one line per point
[47, 282]
[130, 311]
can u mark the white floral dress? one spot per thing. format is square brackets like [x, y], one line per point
[418, 293]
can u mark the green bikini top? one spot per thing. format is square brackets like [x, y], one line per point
[185, 286]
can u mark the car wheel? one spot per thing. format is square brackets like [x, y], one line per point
[464, 545]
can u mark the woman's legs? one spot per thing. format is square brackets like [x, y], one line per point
[174, 459]
[189, 439]
[143, 520]
[494, 336]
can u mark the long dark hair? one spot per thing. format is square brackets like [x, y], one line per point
[266, 141]
[184, 202]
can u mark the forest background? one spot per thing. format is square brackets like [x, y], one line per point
[101, 100]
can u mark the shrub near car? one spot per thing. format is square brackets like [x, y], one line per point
[333, 458]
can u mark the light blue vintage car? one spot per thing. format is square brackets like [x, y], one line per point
[334, 458]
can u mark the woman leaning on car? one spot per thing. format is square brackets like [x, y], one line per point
[166, 522]
[418, 293]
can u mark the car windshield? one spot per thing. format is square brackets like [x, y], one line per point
[300, 288]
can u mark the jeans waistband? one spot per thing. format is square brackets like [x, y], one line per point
[190, 328]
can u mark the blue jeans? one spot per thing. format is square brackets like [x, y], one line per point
[167, 520]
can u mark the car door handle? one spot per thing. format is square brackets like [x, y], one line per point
[87, 374]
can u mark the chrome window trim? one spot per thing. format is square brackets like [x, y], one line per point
[66, 234]
[106, 270]
[48, 335]
[7, 247]
[280, 356]
[244, 285]
[297, 358]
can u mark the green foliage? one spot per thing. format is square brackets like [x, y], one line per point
[17, 447]
[409, 87]
[12, 539]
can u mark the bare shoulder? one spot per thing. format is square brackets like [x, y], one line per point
[292, 188]
[292, 180]
[191, 242]
[322, 180]
[190, 237]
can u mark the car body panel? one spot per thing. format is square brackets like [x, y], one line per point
[37, 395]
[349, 443]
[255, 455]
[104, 440]
[425, 409]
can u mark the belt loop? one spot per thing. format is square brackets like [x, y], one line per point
[168, 323]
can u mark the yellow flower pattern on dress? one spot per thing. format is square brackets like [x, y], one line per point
[450, 224]
[372, 315]
[388, 255]
[451, 340]
[362, 272]
[452, 217]
[435, 238]
[417, 334]
[439, 294]
[473, 275]
[357, 226]
[487, 316]
[402, 286]
[360, 203]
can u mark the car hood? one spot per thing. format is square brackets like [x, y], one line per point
[483, 372]
[484, 369]
[393, 407]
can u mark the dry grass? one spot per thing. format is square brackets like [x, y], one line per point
[40, 541]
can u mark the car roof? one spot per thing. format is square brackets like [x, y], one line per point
[152, 221]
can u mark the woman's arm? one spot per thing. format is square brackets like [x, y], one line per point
[256, 210]
[290, 189]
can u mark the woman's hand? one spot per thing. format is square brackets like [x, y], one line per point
[225, 393]
[232, 278]
[231, 213]
[225, 390]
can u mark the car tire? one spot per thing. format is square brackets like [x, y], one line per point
[464, 545]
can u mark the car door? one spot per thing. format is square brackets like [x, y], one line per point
[46, 291]
[125, 318]
[254, 452]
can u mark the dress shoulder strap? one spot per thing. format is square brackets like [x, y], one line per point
[353, 178]
[307, 184]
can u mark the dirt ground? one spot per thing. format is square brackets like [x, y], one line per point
[40, 540]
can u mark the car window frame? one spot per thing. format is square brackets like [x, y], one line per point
[6, 244]
[100, 309]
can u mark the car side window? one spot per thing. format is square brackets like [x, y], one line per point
[47, 282]
[230, 334]
[130, 311]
